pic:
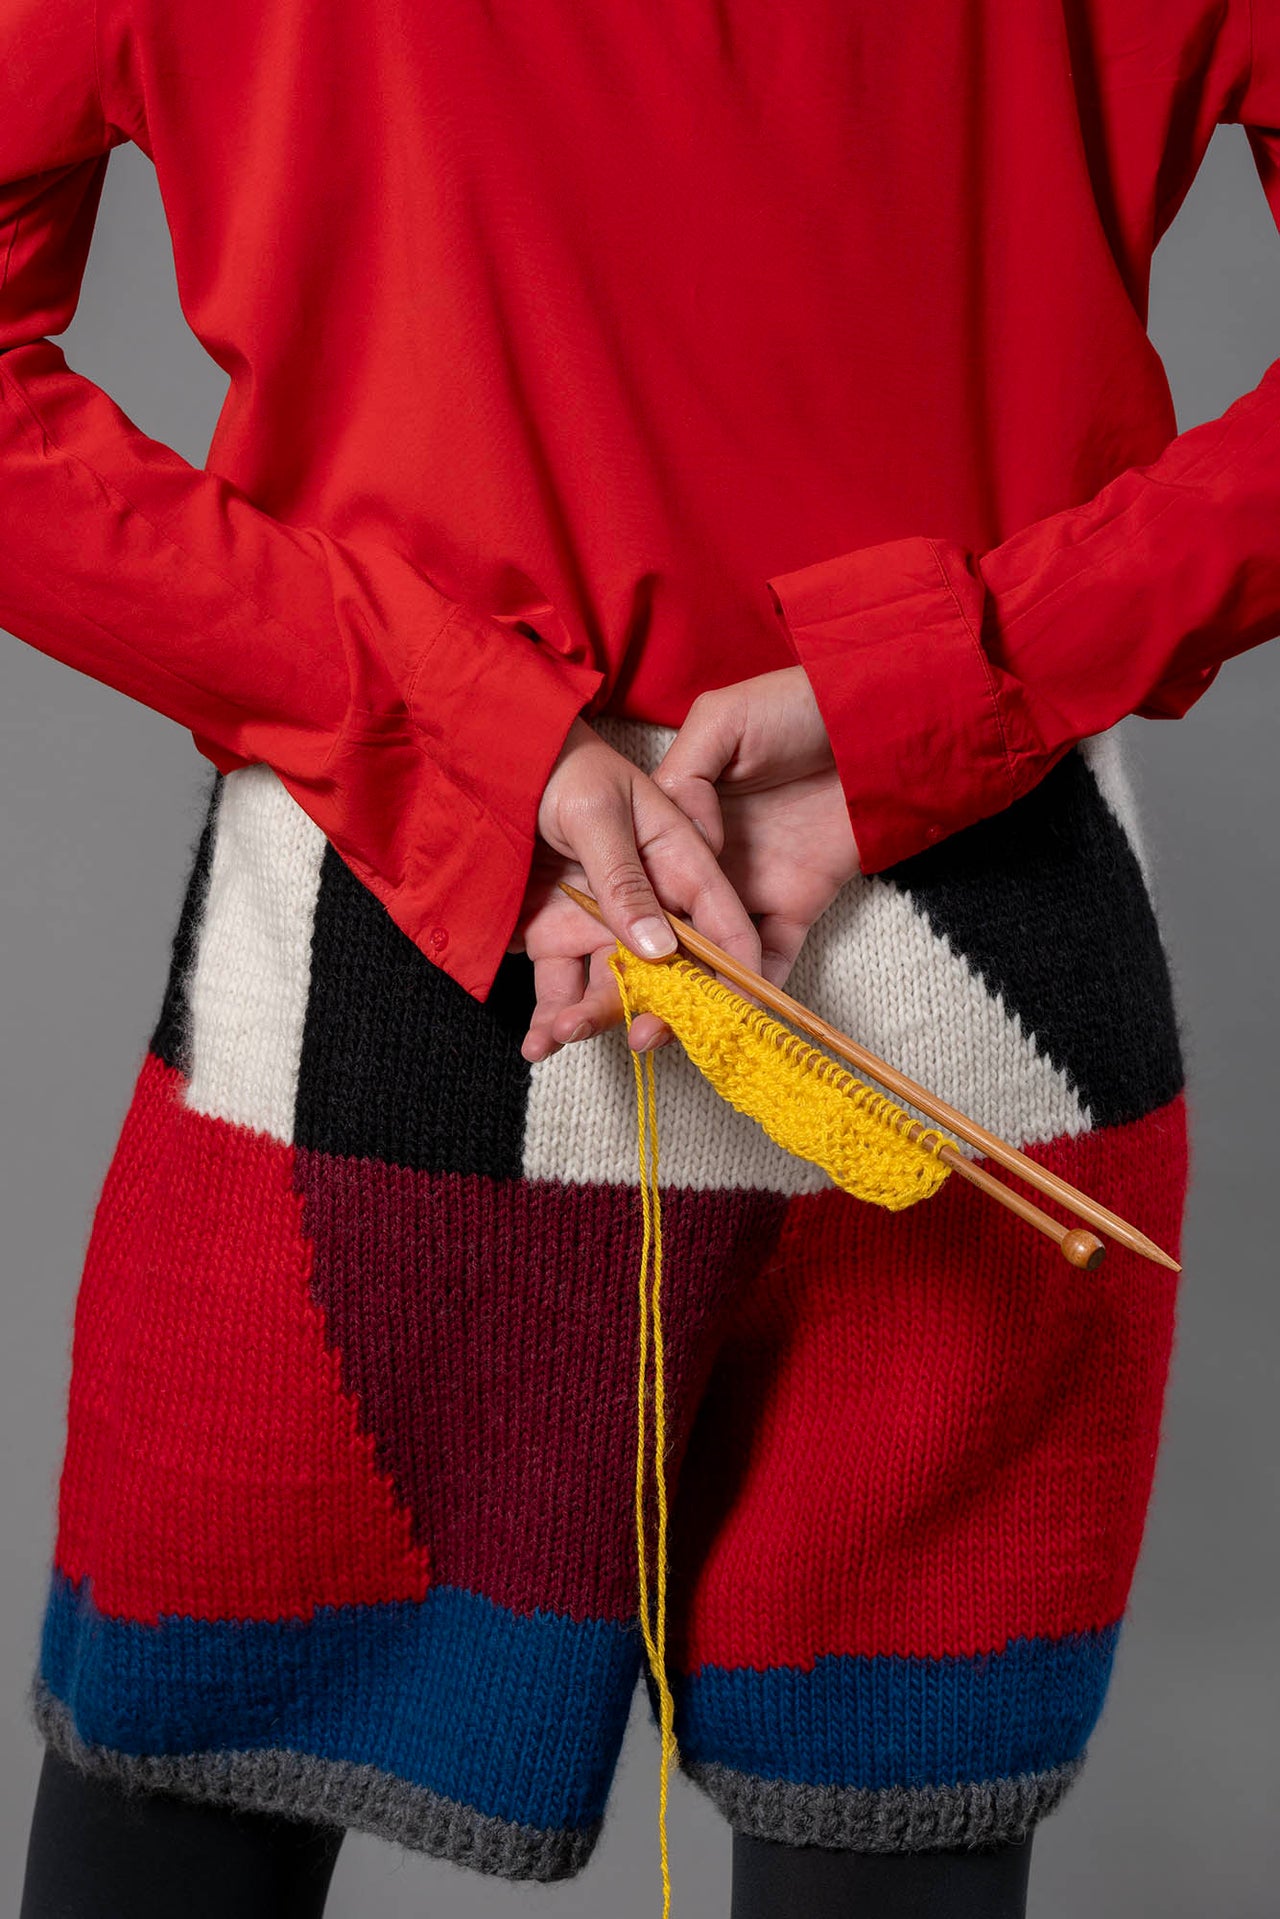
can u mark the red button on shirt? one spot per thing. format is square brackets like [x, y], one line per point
[597, 323]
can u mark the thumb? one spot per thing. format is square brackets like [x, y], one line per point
[695, 760]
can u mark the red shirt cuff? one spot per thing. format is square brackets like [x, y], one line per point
[907, 693]
[440, 792]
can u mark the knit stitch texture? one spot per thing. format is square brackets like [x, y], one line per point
[346, 1520]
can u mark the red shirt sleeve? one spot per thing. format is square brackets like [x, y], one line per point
[418, 734]
[951, 681]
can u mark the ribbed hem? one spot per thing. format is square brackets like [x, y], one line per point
[334, 1792]
[883, 1819]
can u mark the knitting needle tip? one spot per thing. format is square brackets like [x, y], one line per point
[1158, 1254]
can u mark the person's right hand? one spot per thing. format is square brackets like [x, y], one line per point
[606, 828]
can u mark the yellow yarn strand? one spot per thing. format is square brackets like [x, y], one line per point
[651, 1251]
[808, 1105]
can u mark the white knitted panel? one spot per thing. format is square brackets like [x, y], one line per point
[1107, 759]
[252, 971]
[873, 967]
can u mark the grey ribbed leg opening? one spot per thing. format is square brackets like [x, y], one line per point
[889, 1819]
[334, 1791]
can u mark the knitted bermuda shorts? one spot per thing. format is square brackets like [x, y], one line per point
[346, 1521]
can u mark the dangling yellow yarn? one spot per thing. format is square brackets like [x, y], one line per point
[651, 1248]
[808, 1105]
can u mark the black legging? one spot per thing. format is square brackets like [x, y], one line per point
[99, 1852]
[774, 1881]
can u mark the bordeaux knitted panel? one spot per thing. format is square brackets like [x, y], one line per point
[488, 1330]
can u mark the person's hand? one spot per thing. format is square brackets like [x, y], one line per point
[753, 766]
[604, 826]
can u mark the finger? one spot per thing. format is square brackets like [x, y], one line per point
[615, 874]
[601, 1008]
[569, 1010]
[696, 759]
[594, 1012]
[780, 942]
[562, 1021]
[687, 872]
[698, 800]
[647, 1031]
[557, 985]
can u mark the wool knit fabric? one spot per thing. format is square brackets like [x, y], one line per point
[807, 1102]
[346, 1520]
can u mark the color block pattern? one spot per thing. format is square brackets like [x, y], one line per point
[346, 1517]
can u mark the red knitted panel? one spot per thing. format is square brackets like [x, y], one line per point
[926, 1433]
[215, 1466]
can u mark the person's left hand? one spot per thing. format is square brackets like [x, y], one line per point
[752, 766]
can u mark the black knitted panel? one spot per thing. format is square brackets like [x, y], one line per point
[1047, 903]
[399, 1063]
[171, 1039]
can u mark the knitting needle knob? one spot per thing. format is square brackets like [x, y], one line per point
[1078, 1246]
[1082, 1248]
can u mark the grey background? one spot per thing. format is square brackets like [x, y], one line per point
[1176, 1812]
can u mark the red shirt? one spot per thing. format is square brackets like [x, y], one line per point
[562, 337]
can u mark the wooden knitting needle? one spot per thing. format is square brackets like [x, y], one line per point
[1077, 1246]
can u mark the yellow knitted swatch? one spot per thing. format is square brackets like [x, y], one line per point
[810, 1106]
